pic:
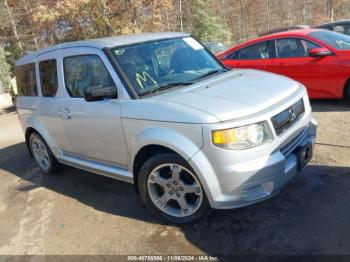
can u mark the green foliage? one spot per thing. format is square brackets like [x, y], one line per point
[4, 69]
[28, 25]
[205, 24]
[12, 54]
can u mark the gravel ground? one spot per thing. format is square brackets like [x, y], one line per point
[77, 212]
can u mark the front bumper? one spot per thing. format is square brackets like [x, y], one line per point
[249, 182]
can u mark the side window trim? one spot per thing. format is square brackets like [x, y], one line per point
[272, 48]
[37, 77]
[276, 52]
[79, 55]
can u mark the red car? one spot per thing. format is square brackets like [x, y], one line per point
[320, 59]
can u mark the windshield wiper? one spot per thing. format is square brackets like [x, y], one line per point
[184, 83]
[166, 86]
[211, 73]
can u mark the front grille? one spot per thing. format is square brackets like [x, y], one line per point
[283, 120]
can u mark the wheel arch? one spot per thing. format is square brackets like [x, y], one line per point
[28, 132]
[30, 129]
[201, 168]
[155, 141]
[144, 154]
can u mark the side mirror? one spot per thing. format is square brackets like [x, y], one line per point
[96, 93]
[321, 51]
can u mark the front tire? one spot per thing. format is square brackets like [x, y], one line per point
[42, 154]
[347, 92]
[170, 189]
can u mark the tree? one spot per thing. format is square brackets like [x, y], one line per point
[156, 15]
[204, 24]
[4, 71]
[28, 25]
[13, 25]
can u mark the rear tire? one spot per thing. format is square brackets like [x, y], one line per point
[347, 91]
[43, 154]
[170, 189]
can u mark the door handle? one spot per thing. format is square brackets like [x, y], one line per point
[67, 114]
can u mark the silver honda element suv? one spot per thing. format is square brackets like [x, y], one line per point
[160, 111]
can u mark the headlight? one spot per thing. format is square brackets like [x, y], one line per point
[240, 137]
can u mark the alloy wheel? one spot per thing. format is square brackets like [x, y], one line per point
[40, 153]
[175, 190]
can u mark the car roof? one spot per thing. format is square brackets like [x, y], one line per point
[347, 21]
[102, 43]
[298, 32]
[283, 29]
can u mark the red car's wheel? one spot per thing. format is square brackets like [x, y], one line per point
[347, 91]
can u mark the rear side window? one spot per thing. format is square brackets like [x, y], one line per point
[26, 80]
[233, 56]
[260, 50]
[48, 77]
[85, 70]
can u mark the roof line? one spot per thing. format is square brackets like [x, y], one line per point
[100, 43]
[37, 54]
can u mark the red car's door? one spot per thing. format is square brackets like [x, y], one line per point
[257, 56]
[318, 74]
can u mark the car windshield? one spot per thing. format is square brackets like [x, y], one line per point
[158, 65]
[336, 40]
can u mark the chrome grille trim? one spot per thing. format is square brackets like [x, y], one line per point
[285, 119]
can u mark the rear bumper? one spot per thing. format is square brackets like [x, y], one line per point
[258, 179]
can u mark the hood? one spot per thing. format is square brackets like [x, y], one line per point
[235, 94]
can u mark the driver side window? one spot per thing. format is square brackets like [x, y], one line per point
[82, 71]
[294, 47]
